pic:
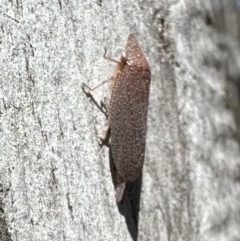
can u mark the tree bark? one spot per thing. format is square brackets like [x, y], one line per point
[55, 180]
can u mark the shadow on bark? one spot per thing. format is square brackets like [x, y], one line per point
[4, 229]
[129, 206]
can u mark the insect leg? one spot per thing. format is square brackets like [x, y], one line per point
[110, 59]
[119, 191]
[87, 89]
[103, 135]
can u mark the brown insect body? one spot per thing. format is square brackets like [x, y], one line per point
[128, 113]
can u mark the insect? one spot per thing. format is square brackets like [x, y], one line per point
[127, 117]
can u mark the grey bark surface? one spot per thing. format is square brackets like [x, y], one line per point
[55, 180]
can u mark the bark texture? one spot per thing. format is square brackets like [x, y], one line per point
[55, 180]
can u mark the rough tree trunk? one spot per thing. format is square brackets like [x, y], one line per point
[55, 180]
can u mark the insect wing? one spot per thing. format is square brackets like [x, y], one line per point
[129, 105]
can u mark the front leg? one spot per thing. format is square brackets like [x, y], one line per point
[88, 91]
[103, 135]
